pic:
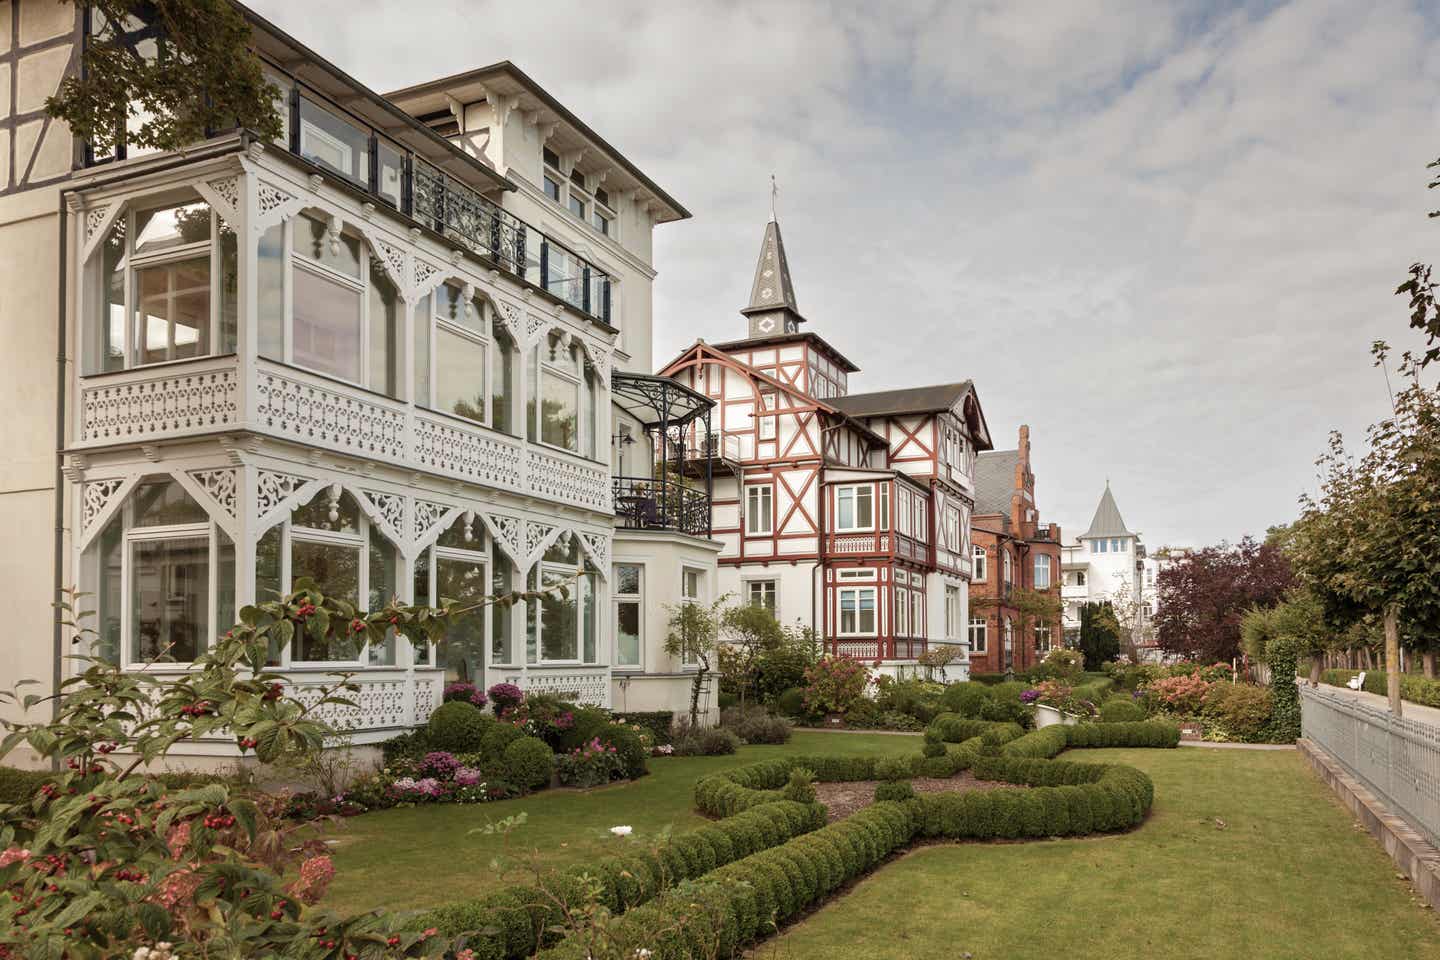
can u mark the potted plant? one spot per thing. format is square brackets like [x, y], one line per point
[1056, 702]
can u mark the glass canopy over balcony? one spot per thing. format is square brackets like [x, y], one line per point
[665, 484]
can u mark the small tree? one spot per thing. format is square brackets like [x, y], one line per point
[205, 79]
[1099, 633]
[694, 637]
[747, 632]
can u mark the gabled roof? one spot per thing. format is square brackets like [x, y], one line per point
[995, 481]
[814, 339]
[909, 400]
[1107, 521]
[772, 289]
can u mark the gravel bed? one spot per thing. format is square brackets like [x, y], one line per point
[843, 799]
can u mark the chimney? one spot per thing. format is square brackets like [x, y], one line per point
[1017, 496]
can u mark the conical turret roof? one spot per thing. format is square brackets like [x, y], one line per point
[772, 289]
[1107, 521]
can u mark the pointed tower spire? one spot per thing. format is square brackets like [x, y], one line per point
[1107, 521]
[772, 308]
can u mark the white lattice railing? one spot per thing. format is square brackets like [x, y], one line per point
[1398, 758]
[155, 402]
[859, 649]
[579, 684]
[387, 700]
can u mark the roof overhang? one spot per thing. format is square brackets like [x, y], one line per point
[504, 79]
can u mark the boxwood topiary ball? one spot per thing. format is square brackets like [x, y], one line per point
[457, 726]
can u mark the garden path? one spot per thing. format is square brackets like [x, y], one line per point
[1411, 711]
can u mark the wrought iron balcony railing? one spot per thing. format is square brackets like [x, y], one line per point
[650, 504]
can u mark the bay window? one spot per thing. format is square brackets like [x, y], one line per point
[853, 508]
[165, 284]
[562, 628]
[857, 611]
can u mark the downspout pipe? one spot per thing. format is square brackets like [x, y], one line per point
[61, 331]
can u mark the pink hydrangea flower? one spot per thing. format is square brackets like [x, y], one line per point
[315, 876]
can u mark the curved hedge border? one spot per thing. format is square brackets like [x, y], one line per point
[751, 897]
[512, 921]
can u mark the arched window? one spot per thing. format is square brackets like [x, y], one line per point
[164, 578]
[465, 565]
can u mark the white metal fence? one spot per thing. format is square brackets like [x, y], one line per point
[1397, 758]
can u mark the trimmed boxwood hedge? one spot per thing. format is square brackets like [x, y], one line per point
[508, 923]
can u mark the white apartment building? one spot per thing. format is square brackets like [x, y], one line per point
[1107, 562]
[389, 351]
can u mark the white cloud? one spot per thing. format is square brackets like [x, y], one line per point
[1163, 237]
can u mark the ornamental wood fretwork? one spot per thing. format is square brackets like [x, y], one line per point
[95, 497]
[390, 508]
[222, 486]
[273, 488]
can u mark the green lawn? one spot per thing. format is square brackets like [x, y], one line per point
[1288, 876]
[422, 856]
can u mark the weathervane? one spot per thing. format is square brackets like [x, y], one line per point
[774, 192]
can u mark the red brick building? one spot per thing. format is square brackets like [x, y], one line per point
[1013, 551]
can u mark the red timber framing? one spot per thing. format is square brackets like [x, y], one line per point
[788, 455]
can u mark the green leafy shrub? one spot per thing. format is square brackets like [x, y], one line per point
[1121, 709]
[1243, 710]
[835, 684]
[895, 768]
[934, 746]
[411, 745]
[703, 741]
[791, 702]
[897, 790]
[966, 699]
[801, 786]
[586, 724]
[20, 786]
[1061, 663]
[528, 763]
[1151, 733]
[757, 725]
[628, 747]
[458, 727]
[497, 738]
[658, 722]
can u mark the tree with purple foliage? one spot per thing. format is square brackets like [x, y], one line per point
[1204, 596]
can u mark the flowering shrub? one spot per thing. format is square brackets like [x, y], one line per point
[1182, 694]
[589, 765]
[1055, 694]
[467, 692]
[440, 764]
[504, 696]
[542, 716]
[835, 684]
[662, 750]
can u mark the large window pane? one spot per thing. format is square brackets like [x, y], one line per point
[334, 143]
[224, 581]
[627, 633]
[462, 650]
[168, 227]
[505, 382]
[229, 288]
[559, 411]
[172, 315]
[270, 300]
[421, 597]
[420, 349]
[327, 326]
[109, 614]
[112, 324]
[164, 503]
[501, 646]
[386, 322]
[390, 173]
[459, 375]
[558, 627]
[169, 598]
[384, 569]
[268, 566]
[587, 623]
[335, 569]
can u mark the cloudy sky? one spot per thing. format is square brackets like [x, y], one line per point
[1164, 237]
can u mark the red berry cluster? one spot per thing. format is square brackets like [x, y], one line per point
[219, 821]
[200, 708]
[274, 692]
[106, 748]
[133, 875]
[248, 743]
[304, 610]
[357, 625]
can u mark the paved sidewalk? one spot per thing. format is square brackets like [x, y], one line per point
[1410, 711]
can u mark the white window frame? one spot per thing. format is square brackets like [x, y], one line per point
[1042, 630]
[902, 612]
[295, 260]
[1007, 565]
[638, 600]
[360, 541]
[131, 535]
[866, 574]
[759, 495]
[979, 627]
[1042, 562]
[579, 588]
[952, 612]
[979, 564]
[686, 659]
[859, 593]
[751, 587]
[882, 514]
[854, 489]
[574, 374]
[481, 338]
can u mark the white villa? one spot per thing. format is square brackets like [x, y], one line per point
[402, 350]
[1107, 562]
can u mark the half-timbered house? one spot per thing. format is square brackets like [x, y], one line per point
[847, 513]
